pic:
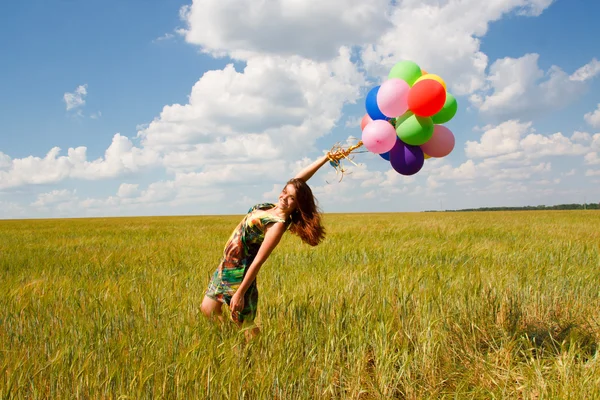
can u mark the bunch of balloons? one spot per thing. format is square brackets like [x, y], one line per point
[404, 117]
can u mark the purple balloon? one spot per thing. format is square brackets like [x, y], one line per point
[406, 159]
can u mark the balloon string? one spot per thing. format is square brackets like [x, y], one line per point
[338, 153]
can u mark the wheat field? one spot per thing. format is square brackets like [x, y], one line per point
[390, 306]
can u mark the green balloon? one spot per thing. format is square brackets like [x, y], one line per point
[408, 71]
[414, 130]
[447, 112]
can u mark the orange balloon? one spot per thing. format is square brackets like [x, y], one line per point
[434, 77]
[426, 98]
[365, 120]
[423, 72]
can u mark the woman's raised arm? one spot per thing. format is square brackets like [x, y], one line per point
[310, 170]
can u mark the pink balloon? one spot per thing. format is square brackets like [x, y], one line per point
[379, 136]
[365, 120]
[392, 97]
[440, 144]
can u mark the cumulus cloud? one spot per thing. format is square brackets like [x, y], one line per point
[10, 209]
[55, 197]
[592, 172]
[76, 99]
[312, 29]
[588, 71]
[443, 35]
[272, 105]
[121, 157]
[592, 158]
[520, 140]
[128, 190]
[593, 118]
[5, 161]
[497, 140]
[518, 88]
[581, 137]
[508, 156]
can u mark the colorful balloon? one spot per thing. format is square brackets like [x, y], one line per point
[447, 112]
[365, 120]
[392, 97]
[371, 105]
[434, 77]
[406, 159]
[414, 130]
[441, 143]
[426, 98]
[408, 71]
[379, 136]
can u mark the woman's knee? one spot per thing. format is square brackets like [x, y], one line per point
[210, 307]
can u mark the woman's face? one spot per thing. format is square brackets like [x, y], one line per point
[287, 199]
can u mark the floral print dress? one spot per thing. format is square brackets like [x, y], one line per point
[240, 250]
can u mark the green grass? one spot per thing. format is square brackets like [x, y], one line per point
[408, 306]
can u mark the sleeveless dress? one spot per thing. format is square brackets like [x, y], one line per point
[240, 250]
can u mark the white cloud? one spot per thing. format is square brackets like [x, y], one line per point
[121, 157]
[443, 35]
[10, 209]
[536, 145]
[309, 28]
[128, 190]
[592, 158]
[519, 88]
[273, 105]
[591, 172]
[255, 116]
[486, 172]
[226, 174]
[534, 8]
[581, 137]
[165, 37]
[593, 118]
[588, 71]
[353, 122]
[520, 140]
[501, 139]
[5, 161]
[76, 99]
[55, 197]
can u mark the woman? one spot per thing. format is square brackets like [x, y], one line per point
[251, 243]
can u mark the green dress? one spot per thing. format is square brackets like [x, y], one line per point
[240, 250]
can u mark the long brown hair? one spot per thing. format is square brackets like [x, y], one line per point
[306, 219]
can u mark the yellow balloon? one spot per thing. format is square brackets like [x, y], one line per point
[423, 72]
[426, 156]
[434, 77]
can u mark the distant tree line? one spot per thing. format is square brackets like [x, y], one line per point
[585, 206]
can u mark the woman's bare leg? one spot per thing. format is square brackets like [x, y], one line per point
[212, 308]
[251, 333]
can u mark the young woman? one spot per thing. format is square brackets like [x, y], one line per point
[251, 243]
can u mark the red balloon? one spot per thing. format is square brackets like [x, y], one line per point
[365, 120]
[426, 98]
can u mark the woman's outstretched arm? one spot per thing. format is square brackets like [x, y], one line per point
[309, 171]
[272, 237]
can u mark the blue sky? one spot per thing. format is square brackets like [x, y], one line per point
[192, 107]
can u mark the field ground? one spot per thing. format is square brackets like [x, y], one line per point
[409, 306]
